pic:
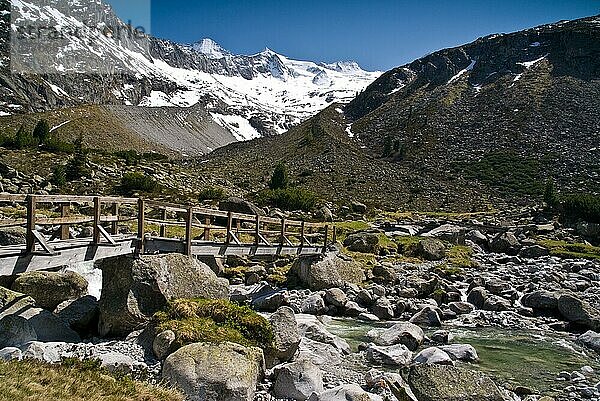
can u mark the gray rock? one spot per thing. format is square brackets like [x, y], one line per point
[495, 303]
[297, 380]
[314, 305]
[461, 308]
[579, 312]
[461, 352]
[49, 352]
[116, 362]
[239, 205]
[358, 207]
[383, 309]
[163, 344]
[590, 339]
[15, 331]
[327, 271]
[133, 289]
[215, 372]
[441, 337]
[336, 297]
[408, 334]
[11, 354]
[532, 252]
[49, 328]
[478, 238]
[352, 309]
[433, 355]
[448, 383]
[477, 297]
[505, 243]
[541, 300]
[310, 327]
[362, 242]
[393, 355]
[324, 214]
[13, 236]
[368, 317]
[49, 289]
[431, 249]
[428, 316]
[345, 392]
[79, 314]
[287, 338]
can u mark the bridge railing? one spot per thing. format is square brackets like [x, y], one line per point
[110, 216]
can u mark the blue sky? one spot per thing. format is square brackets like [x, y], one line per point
[379, 34]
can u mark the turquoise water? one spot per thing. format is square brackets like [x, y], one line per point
[529, 359]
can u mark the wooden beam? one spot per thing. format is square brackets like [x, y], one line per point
[30, 228]
[282, 234]
[65, 210]
[234, 238]
[189, 221]
[42, 241]
[141, 225]
[163, 227]
[302, 227]
[229, 227]
[115, 224]
[106, 235]
[97, 213]
[334, 234]
[326, 238]
[207, 228]
[257, 230]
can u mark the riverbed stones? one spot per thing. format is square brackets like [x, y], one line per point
[297, 380]
[15, 330]
[163, 344]
[448, 383]
[133, 289]
[461, 352]
[408, 334]
[336, 297]
[331, 270]
[431, 249]
[505, 243]
[477, 297]
[215, 372]
[49, 289]
[311, 328]
[579, 312]
[285, 329]
[383, 309]
[590, 339]
[428, 316]
[461, 308]
[345, 392]
[543, 301]
[393, 355]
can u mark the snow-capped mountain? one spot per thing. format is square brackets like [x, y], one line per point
[99, 61]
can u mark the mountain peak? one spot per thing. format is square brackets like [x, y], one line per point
[210, 49]
[343, 66]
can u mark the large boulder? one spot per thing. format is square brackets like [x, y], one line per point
[431, 249]
[49, 289]
[362, 242]
[579, 312]
[448, 383]
[327, 271]
[215, 372]
[590, 339]
[461, 352]
[297, 380]
[433, 356]
[543, 301]
[11, 301]
[80, 314]
[311, 328]
[428, 316]
[133, 289]
[394, 355]
[239, 205]
[408, 334]
[287, 338]
[505, 243]
[15, 330]
[13, 236]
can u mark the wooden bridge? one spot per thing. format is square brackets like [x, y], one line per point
[120, 226]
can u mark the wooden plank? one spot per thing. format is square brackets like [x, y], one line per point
[13, 198]
[141, 225]
[207, 228]
[118, 200]
[106, 235]
[302, 238]
[12, 223]
[229, 226]
[326, 238]
[42, 241]
[167, 205]
[30, 238]
[115, 224]
[264, 240]
[163, 227]
[282, 234]
[257, 230]
[234, 238]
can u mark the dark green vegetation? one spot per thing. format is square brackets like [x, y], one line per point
[572, 206]
[288, 199]
[202, 320]
[138, 182]
[212, 193]
[567, 250]
[73, 381]
[279, 179]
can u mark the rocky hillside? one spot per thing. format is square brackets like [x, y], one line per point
[99, 60]
[462, 127]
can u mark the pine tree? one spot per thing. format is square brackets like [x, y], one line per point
[279, 179]
[76, 168]
[387, 146]
[41, 133]
[550, 195]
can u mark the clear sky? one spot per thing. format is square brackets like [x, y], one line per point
[379, 34]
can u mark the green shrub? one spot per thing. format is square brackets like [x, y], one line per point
[581, 206]
[289, 199]
[138, 182]
[279, 179]
[131, 157]
[24, 139]
[212, 194]
[77, 166]
[54, 144]
[216, 321]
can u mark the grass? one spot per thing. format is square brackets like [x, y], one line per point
[567, 250]
[345, 228]
[73, 381]
[461, 257]
[215, 321]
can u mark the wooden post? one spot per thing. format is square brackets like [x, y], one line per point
[206, 229]
[64, 229]
[229, 227]
[115, 224]
[189, 219]
[163, 227]
[97, 212]
[141, 225]
[282, 239]
[30, 241]
[257, 231]
[334, 234]
[326, 238]
[302, 234]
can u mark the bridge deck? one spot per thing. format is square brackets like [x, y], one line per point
[221, 233]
